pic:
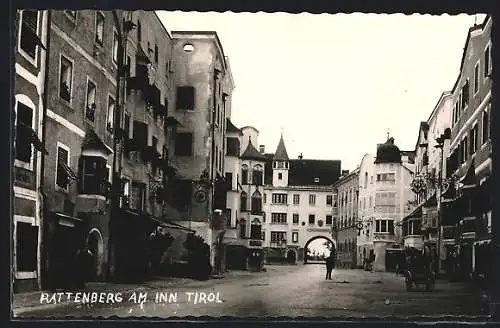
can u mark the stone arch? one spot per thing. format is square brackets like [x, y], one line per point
[95, 244]
[329, 239]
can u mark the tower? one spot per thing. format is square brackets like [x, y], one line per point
[281, 165]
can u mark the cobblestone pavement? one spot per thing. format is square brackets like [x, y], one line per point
[281, 291]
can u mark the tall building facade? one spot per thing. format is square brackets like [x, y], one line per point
[384, 194]
[347, 190]
[298, 201]
[203, 87]
[469, 161]
[29, 99]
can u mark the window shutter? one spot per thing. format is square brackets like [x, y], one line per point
[62, 176]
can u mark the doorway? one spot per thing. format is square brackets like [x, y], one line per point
[291, 256]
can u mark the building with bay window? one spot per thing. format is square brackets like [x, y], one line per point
[298, 202]
[384, 192]
[466, 204]
[27, 116]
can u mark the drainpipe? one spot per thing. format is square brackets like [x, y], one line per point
[212, 168]
[42, 158]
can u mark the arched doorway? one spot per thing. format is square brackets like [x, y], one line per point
[291, 256]
[96, 247]
[312, 256]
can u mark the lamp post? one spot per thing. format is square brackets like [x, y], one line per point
[440, 145]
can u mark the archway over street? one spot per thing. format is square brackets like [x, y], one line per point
[309, 255]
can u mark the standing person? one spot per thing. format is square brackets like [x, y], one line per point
[330, 262]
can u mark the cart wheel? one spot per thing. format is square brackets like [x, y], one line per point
[408, 284]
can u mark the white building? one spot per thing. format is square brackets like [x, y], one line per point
[298, 202]
[384, 192]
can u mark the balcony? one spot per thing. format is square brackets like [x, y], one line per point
[278, 244]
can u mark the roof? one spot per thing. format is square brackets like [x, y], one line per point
[91, 141]
[471, 29]
[388, 152]
[230, 127]
[303, 172]
[281, 154]
[251, 152]
[347, 177]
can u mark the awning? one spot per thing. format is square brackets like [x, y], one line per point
[416, 213]
[469, 179]
[69, 172]
[141, 56]
[92, 141]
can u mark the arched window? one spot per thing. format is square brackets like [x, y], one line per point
[244, 174]
[243, 228]
[366, 179]
[256, 203]
[258, 175]
[243, 202]
[255, 229]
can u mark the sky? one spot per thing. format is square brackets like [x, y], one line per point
[335, 84]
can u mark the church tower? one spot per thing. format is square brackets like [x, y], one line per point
[281, 165]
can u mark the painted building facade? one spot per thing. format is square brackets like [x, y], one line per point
[347, 190]
[30, 32]
[384, 193]
[298, 202]
[466, 205]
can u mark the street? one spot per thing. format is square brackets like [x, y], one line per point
[284, 291]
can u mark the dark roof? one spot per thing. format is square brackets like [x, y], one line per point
[388, 152]
[230, 127]
[251, 152]
[303, 172]
[91, 141]
[281, 154]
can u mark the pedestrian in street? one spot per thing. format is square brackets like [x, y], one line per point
[330, 262]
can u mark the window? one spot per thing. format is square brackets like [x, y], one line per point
[66, 79]
[295, 219]
[93, 173]
[312, 199]
[280, 176]
[255, 230]
[111, 114]
[185, 98]
[329, 220]
[137, 196]
[99, 28]
[24, 123]
[139, 32]
[296, 199]
[312, 218]
[26, 246]
[280, 198]
[295, 237]
[243, 202]
[329, 200]
[384, 226]
[487, 61]
[473, 139]
[115, 47]
[90, 106]
[156, 53]
[184, 144]
[228, 217]
[244, 175]
[229, 179]
[28, 35]
[257, 175]
[256, 203]
[371, 202]
[61, 174]
[126, 125]
[265, 198]
[243, 228]
[386, 177]
[476, 78]
[486, 126]
[465, 94]
[278, 236]
[278, 218]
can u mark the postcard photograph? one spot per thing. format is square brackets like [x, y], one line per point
[185, 164]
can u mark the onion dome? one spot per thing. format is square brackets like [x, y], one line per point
[388, 152]
[252, 153]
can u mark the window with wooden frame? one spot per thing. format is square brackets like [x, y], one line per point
[111, 114]
[66, 79]
[62, 178]
[90, 105]
[28, 32]
[99, 28]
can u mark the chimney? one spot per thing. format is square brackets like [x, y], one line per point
[262, 149]
[301, 156]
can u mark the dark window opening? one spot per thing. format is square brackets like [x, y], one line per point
[26, 247]
[184, 144]
[329, 219]
[61, 174]
[244, 176]
[91, 101]
[255, 231]
[66, 79]
[29, 27]
[93, 173]
[257, 177]
[23, 131]
[312, 218]
[99, 30]
[243, 202]
[185, 98]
